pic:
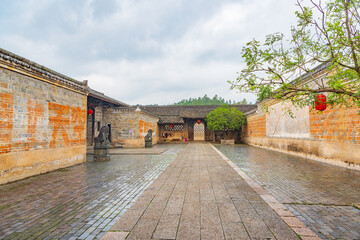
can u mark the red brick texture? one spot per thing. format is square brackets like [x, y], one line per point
[78, 124]
[336, 124]
[59, 120]
[35, 112]
[256, 126]
[6, 123]
[66, 126]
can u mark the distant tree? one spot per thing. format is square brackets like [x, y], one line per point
[326, 32]
[243, 101]
[205, 100]
[225, 119]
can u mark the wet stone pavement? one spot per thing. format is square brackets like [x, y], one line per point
[319, 194]
[79, 202]
[201, 196]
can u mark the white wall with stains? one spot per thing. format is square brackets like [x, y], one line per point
[280, 124]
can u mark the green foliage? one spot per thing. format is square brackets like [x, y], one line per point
[225, 119]
[205, 100]
[326, 33]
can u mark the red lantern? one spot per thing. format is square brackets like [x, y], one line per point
[198, 121]
[171, 126]
[90, 112]
[320, 102]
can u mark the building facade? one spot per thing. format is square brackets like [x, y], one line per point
[47, 120]
[331, 136]
[129, 125]
[97, 104]
[42, 119]
[187, 123]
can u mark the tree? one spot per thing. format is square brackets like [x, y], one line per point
[327, 34]
[243, 101]
[205, 100]
[225, 119]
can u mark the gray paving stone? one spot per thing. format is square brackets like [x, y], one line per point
[167, 227]
[231, 221]
[194, 203]
[314, 192]
[80, 201]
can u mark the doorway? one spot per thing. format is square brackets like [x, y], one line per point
[199, 132]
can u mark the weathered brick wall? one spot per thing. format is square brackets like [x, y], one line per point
[336, 124]
[128, 128]
[6, 116]
[99, 121]
[124, 125]
[147, 122]
[332, 137]
[283, 125]
[256, 125]
[42, 126]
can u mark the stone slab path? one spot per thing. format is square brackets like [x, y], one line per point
[79, 202]
[155, 150]
[318, 194]
[200, 196]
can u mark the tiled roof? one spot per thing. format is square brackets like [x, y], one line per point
[171, 119]
[41, 71]
[95, 94]
[134, 109]
[312, 72]
[176, 113]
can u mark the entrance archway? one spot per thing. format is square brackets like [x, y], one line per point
[199, 132]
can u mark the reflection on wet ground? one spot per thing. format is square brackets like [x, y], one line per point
[79, 202]
[320, 194]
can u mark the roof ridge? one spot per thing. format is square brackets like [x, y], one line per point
[31, 66]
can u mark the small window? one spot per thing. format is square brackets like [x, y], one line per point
[98, 126]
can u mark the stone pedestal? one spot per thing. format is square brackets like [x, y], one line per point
[148, 144]
[101, 153]
[228, 142]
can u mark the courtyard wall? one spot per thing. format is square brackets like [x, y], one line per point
[129, 126]
[42, 119]
[332, 136]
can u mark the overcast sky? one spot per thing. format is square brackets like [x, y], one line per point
[143, 51]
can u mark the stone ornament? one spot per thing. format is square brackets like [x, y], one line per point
[148, 139]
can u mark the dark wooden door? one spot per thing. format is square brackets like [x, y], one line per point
[191, 131]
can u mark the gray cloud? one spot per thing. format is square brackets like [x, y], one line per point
[143, 51]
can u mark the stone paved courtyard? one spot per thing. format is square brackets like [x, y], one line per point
[201, 196]
[80, 202]
[320, 195]
[85, 201]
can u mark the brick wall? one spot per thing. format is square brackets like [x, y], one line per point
[256, 126]
[99, 121]
[147, 122]
[6, 120]
[43, 125]
[332, 136]
[336, 124]
[129, 127]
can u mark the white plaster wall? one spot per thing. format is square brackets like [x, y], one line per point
[281, 124]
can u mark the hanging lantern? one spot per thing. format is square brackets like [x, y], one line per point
[90, 112]
[198, 121]
[171, 126]
[320, 102]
